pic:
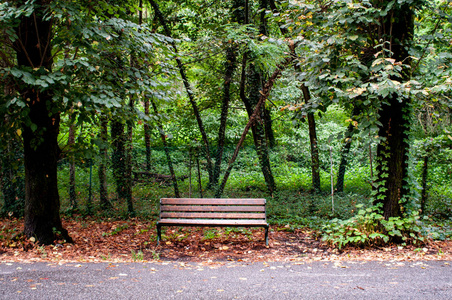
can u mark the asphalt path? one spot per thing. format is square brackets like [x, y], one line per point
[228, 280]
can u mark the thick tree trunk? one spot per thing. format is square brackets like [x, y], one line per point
[392, 152]
[41, 151]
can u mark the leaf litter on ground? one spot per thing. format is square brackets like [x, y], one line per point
[135, 240]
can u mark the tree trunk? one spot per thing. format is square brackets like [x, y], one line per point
[344, 153]
[315, 161]
[102, 170]
[11, 159]
[424, 184]
[129, 150]
[167, 152]
[392, 152]
[119, 140]
[72, 190]
[187, 88]
[231, 58]
[258, 130]
[147, 136]
[253, 119]
[41, 150]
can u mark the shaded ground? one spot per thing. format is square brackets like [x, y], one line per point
[135, 240]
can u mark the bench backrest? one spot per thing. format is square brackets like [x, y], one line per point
[205, 208]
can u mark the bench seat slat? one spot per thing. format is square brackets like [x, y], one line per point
[207, 201]
[195, 222]
[205, 208]
[213, 213]
[208, 215]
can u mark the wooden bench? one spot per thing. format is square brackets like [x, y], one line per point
[212, 213]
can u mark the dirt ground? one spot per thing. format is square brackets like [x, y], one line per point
[135, 240]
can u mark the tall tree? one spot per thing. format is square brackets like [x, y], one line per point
[238, 16]
[187, 86]
[40, 133]
[397, 28]
[253, 79]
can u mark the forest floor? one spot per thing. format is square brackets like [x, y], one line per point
[135, 240]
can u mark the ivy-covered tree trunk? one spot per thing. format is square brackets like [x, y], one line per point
[260, 142]
[40, 135]
[392, 152]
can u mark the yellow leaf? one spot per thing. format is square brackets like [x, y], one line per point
[19, 132]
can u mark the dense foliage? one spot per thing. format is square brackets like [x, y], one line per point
[152, 92]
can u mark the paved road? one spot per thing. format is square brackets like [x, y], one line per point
[231, 280]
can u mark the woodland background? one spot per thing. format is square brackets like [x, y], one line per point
[152, 99]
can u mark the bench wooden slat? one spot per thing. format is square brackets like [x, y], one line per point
[165, 208]
[209, 201]
[195, 222]
[188, 215]
[212, 212]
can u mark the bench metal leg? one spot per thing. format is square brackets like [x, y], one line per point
[159, 234]
[266, 236]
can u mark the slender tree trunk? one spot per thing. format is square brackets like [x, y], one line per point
[129, 153]
[147, 136]
[187, 88]
[392, 152]
[257, 129]
[253, 118]
[41, 151]
[119, 140]
[345, 152]
[72, 189]
[315, 161]
[268, 123]
[11, 159]
[167, 152]
[424, 183]
[102, 170]
[231, 59]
